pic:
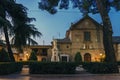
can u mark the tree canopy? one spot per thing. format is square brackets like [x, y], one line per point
[85, 6]
[14, 21]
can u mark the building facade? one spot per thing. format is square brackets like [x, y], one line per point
[86, 37]
[43, 53]
[116, 44]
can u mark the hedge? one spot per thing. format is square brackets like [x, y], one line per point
[52, 68]
[10, 67]
[100, 67]
[118, 62]
[4, 56]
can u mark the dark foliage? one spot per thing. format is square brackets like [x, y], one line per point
[33, 56]
[78, 57]
[19, 27]
[52, 68]
[100, 68]
[85, 6]
[10, 67]
[49, 5]
[4, 56]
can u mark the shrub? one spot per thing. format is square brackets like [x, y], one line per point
[33, 56]
[100, 67]
[118, 62]
[4, 57]
[52, 68]
[78, 57]
[10, 67]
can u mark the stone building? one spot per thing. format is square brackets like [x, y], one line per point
[86, 37]
[43, 53]
[116, 44]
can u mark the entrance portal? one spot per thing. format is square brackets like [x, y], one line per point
[87, 57]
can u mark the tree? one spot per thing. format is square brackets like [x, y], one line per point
[5, 24]
[23, 29]
[78, 57]
[90, 6]
[33, 56]
[13, 16]
[22, 36]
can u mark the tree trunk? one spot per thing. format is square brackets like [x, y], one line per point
[3, 15]
[8, 45]
[107, 34]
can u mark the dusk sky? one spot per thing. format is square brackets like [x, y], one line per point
[55, 26]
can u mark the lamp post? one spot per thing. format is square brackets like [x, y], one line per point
[101, 57]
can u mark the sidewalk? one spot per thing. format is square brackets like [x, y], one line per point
[24, 75]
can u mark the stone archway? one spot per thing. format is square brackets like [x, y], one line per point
[87, 57]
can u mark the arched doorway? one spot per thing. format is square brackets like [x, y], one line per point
[87, 57]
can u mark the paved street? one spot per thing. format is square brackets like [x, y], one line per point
[62, 77]
[81, 76]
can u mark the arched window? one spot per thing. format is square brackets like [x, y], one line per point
[87, 57]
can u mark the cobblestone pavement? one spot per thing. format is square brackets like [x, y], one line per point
[24, 75]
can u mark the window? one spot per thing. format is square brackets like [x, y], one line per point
[44, 52]
[58, 46]
[64, 58]
[87, 36]
[67, 46]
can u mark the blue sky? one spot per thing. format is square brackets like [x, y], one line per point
[55, 26]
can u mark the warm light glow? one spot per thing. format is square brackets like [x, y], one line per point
[101, 54]
[27, 54]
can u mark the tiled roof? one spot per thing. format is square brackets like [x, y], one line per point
[116, 39]
[65, 40]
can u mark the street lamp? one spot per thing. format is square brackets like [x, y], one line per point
[101, 57]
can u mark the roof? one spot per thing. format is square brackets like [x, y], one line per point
[65, 40]
[40, 46]
[86, 17]
[116, 39]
